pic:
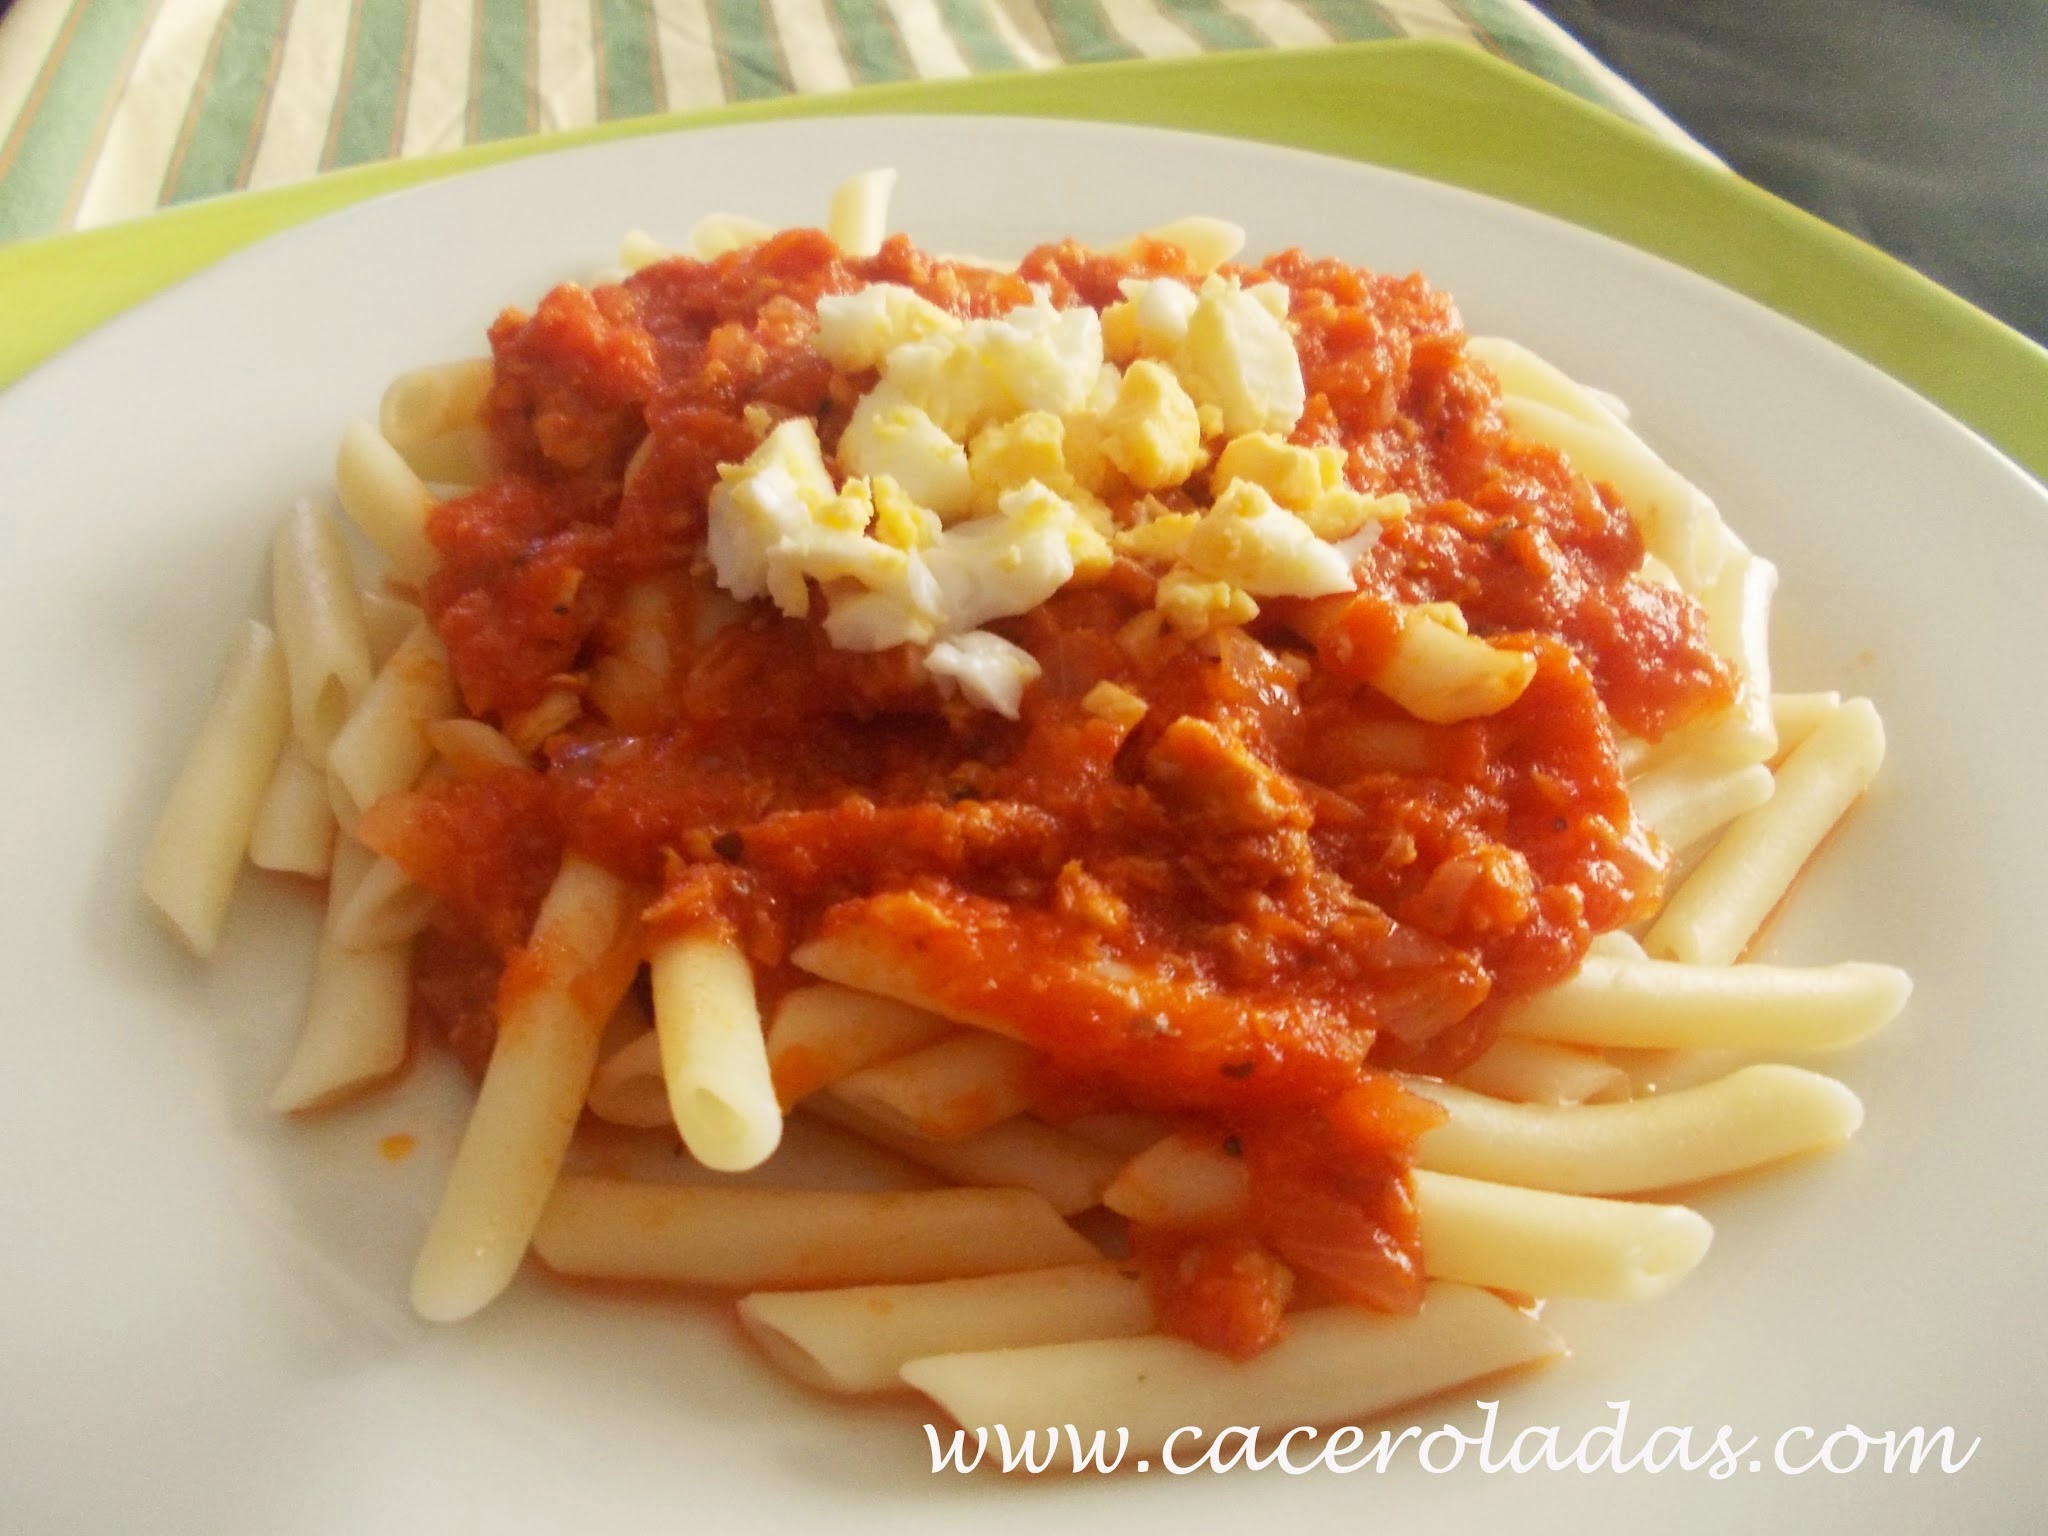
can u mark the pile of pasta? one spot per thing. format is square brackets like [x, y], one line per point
[1652, 1068]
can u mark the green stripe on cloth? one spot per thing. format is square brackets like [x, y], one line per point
[1083, 33]
[628, 74]
[233, 92]
[120, 78]
[1504, 27]
[49, 144]
[868, 40]
[752, 54]
[1351, 21]
[1216, 29]
[979, 45]
[967, 23]
[368, 115]
[501, 72]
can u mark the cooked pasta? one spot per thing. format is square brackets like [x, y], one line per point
[195, 853]
[1021, 716]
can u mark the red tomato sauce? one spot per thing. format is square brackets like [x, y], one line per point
[1239, 911]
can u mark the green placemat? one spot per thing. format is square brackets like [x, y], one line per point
[1438, 110]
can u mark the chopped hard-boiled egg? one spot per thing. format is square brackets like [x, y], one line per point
[981, 470]
[879, 619]
[1151, 432]
[777, 526]
[993, 567]
[946, 377]
[829, 556]
[1041, 358]
[1194, 604]
[1085, 444]
[1120, 332]
[1163, 536]
[989, 671]
[1342, 513]
[1239, 357]
[1274, 296]
[857, 330]
[1115, 703]
[1061, 453]
[1035, 358]
[1251, 541]
[773, 496]
[1295, 477]
[899, 520]
[892, 435]
[1228, 344]
[1007, 455]
[1152, 321]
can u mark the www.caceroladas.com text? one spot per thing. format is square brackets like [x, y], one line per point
[1614, 1447]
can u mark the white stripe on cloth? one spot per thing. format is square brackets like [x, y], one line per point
[1023, 31]
[810, 45]
[933, 53]
[30, 31]
[565, 60]
[135, 156]
[689, 63]
[302, 106]
[1624, 97]
[1279, 23]
[1145, 28]
[437, 99]
[1427, 18]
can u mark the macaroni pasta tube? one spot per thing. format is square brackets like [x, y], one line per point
[1718, 910]
[354, 1032]
[195, 853]
[552, 1007]
[385, 498]
[823, 1033]
[430, 416]
[858, 219]
[1662, 1005]
[782, 1239]
[712, 1055]
[319, 625]
[961, 1085]
[1335, 1364]
[1744, 1120]
[384, 745]
[628, 1087]
[1797, 716]
[1018, 1153]
[379, 908]
[1542, 1244]
[1479, 1232]
[859, 1340]
[294, 830]
[1686, 802]
[1540, 1072]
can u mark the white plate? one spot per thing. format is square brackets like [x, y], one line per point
[202, 1320]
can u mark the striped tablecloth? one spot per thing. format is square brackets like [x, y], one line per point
[110, 108]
